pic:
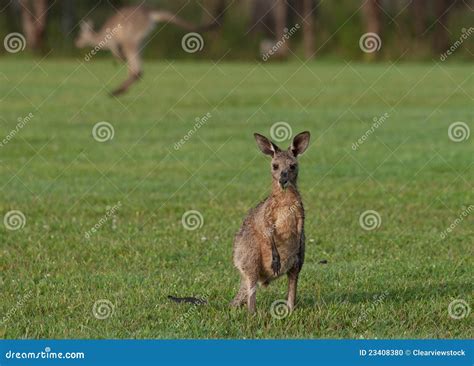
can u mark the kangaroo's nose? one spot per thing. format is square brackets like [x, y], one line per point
[284, 177]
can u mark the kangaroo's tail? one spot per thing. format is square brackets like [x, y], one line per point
[168, 17]
[188, 300]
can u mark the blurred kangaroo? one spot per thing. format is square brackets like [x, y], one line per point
[271, 240]
[124, 32]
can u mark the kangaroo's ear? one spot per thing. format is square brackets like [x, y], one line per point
[300, 143]
[267, 147]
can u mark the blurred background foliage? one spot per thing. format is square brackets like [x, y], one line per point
[410, 29]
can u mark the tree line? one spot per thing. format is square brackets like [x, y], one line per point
[284, 29]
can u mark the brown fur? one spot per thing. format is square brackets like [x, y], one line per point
[124, 32]
[274, 229]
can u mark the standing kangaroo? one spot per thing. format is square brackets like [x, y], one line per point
[271, 240]
[124, 32]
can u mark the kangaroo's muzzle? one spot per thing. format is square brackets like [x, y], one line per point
[284, 180]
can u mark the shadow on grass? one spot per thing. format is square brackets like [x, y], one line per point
[392, 295]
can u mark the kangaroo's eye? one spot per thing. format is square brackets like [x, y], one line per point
[292, 166]
[275, 166]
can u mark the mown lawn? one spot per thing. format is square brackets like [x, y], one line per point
[395, 281]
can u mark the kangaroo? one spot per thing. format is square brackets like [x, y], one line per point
[271, 239]
[124, 32]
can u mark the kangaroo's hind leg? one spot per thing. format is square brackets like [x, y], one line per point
[292, 286]
[117, 52]
[132, 54]
[251, 282]
[294, 272]
[241, 296]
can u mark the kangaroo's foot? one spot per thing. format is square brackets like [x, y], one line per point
[239, 299]
[117, 92]
[127, 83]
[237, 302]
[241, 296]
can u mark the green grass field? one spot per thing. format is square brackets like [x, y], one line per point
[396, 281]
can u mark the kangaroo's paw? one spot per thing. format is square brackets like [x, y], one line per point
[276, 265]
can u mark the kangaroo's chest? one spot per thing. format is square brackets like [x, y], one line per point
[286, 219]
[287, 224]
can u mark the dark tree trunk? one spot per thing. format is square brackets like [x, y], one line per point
[372, 16]
[281, 11]
[419, 11]
[441, 36]
[68, 18]
[308, 29]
